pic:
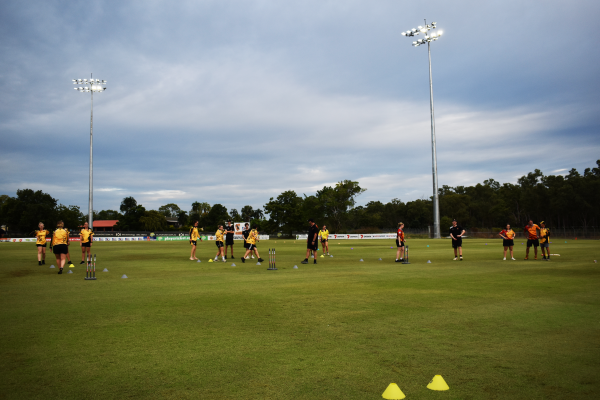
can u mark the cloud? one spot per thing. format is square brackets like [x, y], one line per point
[235, 105]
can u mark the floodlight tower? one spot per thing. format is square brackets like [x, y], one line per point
[428, 39]
[90, 86]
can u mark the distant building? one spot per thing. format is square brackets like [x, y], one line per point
[172, 221]
[105, 225]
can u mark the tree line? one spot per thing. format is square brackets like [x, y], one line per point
[561, 200]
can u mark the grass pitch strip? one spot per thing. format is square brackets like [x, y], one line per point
[341, 329]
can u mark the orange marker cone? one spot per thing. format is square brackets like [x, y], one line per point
[438, 383]
[393, 392]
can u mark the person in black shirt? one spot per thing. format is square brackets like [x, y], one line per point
[312, 244]
[245, 234]
[456, 233]
[230, 231]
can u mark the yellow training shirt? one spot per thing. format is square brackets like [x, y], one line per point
[60, 236]
[324, 234]
[86, 235]
[41, 236]
[544, 235]
[252, 237]
[194, 234]
[219, 235]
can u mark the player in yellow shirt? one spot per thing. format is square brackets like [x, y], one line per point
[252, 240]
[545, 241]
[194, 236]
[86, 237]
[40, 243]
[60, 245]
[219, 241]
[324, 235]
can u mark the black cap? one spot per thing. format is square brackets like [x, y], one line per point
[454, 220]
[311, 220]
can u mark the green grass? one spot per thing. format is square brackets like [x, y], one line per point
[342, 329]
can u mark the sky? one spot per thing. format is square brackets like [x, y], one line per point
[234, 102]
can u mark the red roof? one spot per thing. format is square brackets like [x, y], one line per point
[108, 223]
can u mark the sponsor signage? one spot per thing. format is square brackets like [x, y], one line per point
[355, 236]
[120, 234]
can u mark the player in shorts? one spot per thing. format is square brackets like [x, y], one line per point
[230, 231]
[85, 242]
[60, 245]
[545, 241]
[219, 243]
[532, 238]
[323, 236]
[456, 234]
[252, 240]
[40, 243]
[508, 242]
[194, 236]
[400, 242]
[245, 234]
[311, 242]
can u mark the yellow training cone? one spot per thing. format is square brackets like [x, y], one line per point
[438, 383]
[210, 260]
[393, 392]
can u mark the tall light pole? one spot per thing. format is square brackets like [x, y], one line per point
[90, 86]
[428, 39]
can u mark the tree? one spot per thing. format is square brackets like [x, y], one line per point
[132, 212]
[24, 212]
[72, 216]
[107, 215]
[169, 210]
[285, 212]
[215, 217]
[153, 221]
[247, 212]
[338, 200]
[234, 214]
[182, 218]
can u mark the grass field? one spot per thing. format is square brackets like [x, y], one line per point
[341, 329]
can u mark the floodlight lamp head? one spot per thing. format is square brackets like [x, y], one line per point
[413, 29]
[419, 27]
[403, 33]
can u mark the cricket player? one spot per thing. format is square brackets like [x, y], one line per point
[400, 242]
[230, 231]
[323, 236]
[219, 242]
[40, 243]
[85, 242]
[508, 242]
[532, 238]
[252, 240]
[456, 233]
[311, 242]
[60, 245]
[194, 236]
[545, 241]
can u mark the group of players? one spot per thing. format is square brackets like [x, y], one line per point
[534, 240]
[59, 244]
[250, 240]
